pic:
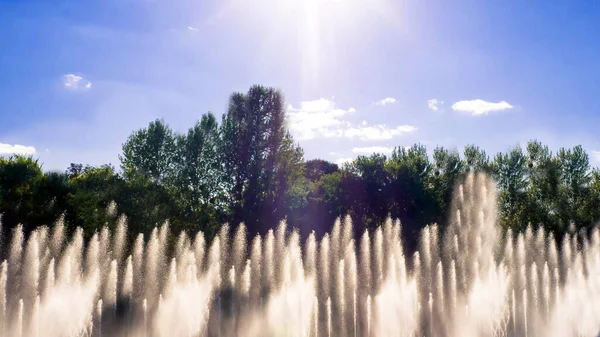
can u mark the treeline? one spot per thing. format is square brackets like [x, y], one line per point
[247, 168]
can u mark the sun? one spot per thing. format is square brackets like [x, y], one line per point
[315, 27]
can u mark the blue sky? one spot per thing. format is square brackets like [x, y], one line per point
[76, 77]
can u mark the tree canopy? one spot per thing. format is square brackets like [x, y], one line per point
[247, 168]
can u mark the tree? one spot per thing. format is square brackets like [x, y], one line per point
[475, 159]
[147, 204]
[509, 172]
[260, 157]
[447, 169]
[150, 151]
[52, 197]
[412, 201]
[574, 190]
[249, 169]
[542, 177]
[314, 169]
[20, 178]
[373, 190]
[90, 193]
[199, 178]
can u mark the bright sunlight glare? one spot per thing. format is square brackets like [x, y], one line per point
[316, 27]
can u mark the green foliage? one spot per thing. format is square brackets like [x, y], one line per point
[539, 206]
[199, 179]
[371, 181]
[574, 191]
[27, 195]
[247, 168]
[150, 151]
[509, 171]
[146, 204]
[90, 193]
[260, 159]
[314, 169]
[447, 169]
[475, 159]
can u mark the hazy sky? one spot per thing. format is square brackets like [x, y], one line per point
[76, 77]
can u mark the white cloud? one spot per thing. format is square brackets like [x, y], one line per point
[434, 104]
[378, 132]
[596, 155]
[342, 161]
[317, 105]
[75, 82]
[16, 149]
[317, 119]
[480, 107]
[193, 29]
[322, 119]
[373, 149]
[387, 100]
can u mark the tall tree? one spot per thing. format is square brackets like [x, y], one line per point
[475, 159]
[447, 168]
[150, 151]
[199, 177]
[260, 157]
[542, 177]
[374, 192]
[412, 202]
[198, 167]
[574, 166]
[509, 171]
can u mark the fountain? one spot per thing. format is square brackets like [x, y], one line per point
[469, 279]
